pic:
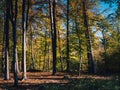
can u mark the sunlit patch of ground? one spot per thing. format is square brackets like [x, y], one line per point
[46, 81]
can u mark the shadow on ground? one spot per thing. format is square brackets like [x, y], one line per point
[45, 81]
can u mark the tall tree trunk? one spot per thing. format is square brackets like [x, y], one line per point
[7, 41]
[67, 51]
[80, 47]
[40, 55]
[48, 57]
[49, 52]
[18, 70]
[51, 21]
[54, 37]
[13, 18]
[44, 65]
[59, 41]
[32, 55]
[24, 38]
[91, 62]
[3, 48]
[52, 7]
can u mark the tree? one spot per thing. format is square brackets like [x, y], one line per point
[13, 17]
[52, 10]
[45, 44]
[60, 51]
[91, 62]
[104, 28]
[78, 32]
[7, 14]
[67, 51]
[32, 55]
[3, 47]
[24, 27]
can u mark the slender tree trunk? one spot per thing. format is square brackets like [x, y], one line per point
[24, 38]
[15, 65]
[91, 62]
[49, 57]
[32, 55]
[67, 51]
[13, 18]
[80, 47]
[51, 21]
[40, 57]
[27, 13]
[80, 57]
[53, 31]
[3, 48]
[7, 41]
[54, 37]
[44, 66]
[59, 41]
[49, 52]
[15, 56]
[18, 70]
[40, 60]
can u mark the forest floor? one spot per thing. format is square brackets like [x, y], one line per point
[61, 81]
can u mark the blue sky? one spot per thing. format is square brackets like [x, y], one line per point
[105, 9]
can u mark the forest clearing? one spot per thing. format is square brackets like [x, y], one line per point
[61, 81]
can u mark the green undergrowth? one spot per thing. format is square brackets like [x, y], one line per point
[86, 84]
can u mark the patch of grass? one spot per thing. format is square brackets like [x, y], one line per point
[85, 84]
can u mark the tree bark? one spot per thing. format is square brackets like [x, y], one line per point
[13, 18]
[52, 9]
[49, 57]
[7, 41]
[59, 41]
[67, 51]
[24, 38]
[32, 55]
[3, 48]
[44, 66]
[91, 62]
[80, 47]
